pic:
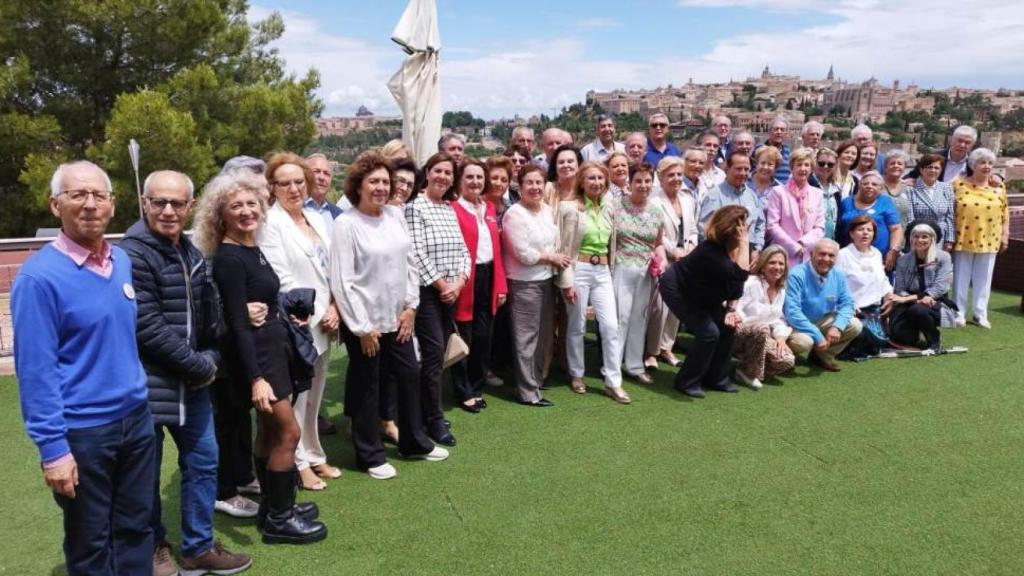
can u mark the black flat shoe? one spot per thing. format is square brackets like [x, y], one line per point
[693, 391]
[542, 403]
[727, 387]
[445, 438]
[473, 408]
[481, 403]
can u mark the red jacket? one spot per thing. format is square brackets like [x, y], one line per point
[468, 224]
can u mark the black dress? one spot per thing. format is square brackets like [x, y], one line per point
[243, 275]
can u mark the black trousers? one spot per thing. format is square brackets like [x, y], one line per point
[468, 375]
[232, 423]
[394, 361]
[435, 322]
[914, 321]
[707, 359]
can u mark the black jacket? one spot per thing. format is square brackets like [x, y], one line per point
[176, 334]
[915, 173]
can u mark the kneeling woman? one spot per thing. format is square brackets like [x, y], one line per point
[375, 278]
[865, 276]
[702, 290]
[761, 339]
[922, 280]
[231, 212]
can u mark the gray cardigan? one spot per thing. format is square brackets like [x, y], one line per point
[937, 275]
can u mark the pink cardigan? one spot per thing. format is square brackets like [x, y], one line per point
[790, 228]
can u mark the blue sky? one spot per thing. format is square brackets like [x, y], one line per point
[526, 56]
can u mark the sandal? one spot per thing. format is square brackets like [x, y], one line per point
[314, 484]
[617, 394]
[578, 386]
[326, 471]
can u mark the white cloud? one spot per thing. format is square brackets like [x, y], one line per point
[909, 40]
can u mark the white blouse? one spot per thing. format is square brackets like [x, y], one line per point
[526, 236]
[865, 275]
[373, 270]
[756, 306]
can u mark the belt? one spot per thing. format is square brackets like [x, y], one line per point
[485, 264]
[593, 259]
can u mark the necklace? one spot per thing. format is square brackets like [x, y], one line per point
[256, 249]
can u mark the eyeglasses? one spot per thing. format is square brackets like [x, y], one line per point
[826, 164]
[161, 204]
[79, 196]
[659, 125]
[285, 184]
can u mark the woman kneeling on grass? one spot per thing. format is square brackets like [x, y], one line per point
[761, 339]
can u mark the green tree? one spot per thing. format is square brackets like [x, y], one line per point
[69, 62]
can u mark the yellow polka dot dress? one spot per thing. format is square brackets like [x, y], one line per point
[980, 213]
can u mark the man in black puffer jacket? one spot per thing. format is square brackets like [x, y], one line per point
[177, 345]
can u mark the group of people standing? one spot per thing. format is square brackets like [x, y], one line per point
[475, 267]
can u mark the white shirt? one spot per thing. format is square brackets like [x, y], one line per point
[865, 275]
[755, 306]
[373, 270]
[597, 152]
[484, 248]
[526, 236]
[954, 169]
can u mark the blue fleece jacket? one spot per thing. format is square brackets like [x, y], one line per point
[74, 347]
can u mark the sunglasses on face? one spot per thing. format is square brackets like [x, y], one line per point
[659, 125]
[822, 164]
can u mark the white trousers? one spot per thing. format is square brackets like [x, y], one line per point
[594, 287]
[633, 296]
[307, 407]
[973, 270]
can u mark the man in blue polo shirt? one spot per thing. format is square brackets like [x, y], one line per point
[658, 145]
[734, 190]
[83, 390]
[820, 308]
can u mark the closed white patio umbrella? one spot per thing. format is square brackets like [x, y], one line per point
[416, 86]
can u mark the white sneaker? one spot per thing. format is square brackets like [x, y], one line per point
[383, 472]
[753, 383]
[436, 455]
[250, 489]
[238, 506]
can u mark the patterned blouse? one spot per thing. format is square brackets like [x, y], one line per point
[636, 232]
[437, 241]
[980, 214]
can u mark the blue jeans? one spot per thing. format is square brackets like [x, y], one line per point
[197, 461]
[106, 528]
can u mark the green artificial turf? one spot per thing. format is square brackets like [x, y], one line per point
[894, 466]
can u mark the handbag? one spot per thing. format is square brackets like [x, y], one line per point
[455, 351]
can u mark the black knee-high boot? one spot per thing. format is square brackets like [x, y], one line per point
[282, 524]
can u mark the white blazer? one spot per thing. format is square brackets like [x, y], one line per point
[294, 259]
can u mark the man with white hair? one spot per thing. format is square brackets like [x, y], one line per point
[82, 386]
[954, 157]
[453, 144]
[317, 200]
[523, 136]
[550, 140]
[862, 135]
[658, 145]
[743, 142]
[820, 308]
[811, 133]
[722, 126]
[604, 145]
[636, 147]
[177, 340]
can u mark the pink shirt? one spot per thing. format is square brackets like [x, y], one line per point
[796, 218]
[101, 263]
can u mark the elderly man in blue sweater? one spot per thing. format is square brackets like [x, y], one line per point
[83, 390]
[820, 308]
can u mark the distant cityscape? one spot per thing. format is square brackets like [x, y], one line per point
[754, 102]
